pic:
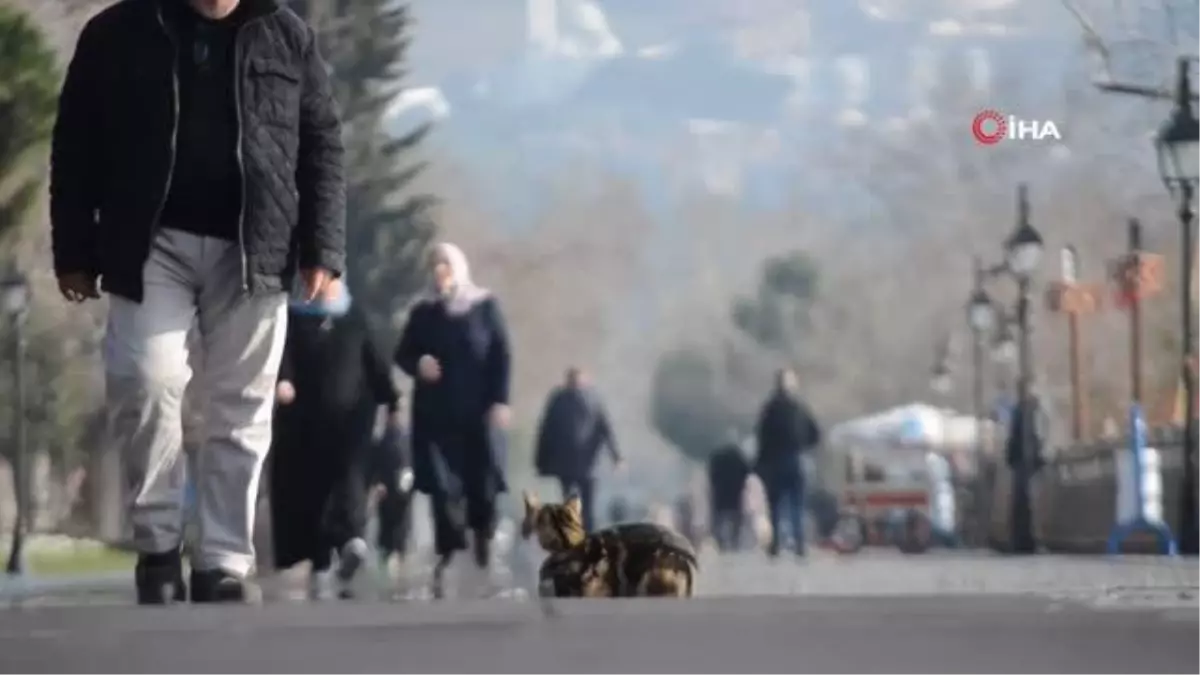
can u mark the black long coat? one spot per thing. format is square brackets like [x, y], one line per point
[728, 471]
[322, 441]
[473, 351]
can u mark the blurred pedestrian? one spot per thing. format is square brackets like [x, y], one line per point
[455, 346]
[189, 178]
[728, 470]
[573, 429]
[618, 510]
[1029, 418]
[331, 385]
[786, 431]
[391, 474]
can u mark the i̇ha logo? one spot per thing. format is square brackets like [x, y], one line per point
[990, 127]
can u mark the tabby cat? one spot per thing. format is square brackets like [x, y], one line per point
[633, 559]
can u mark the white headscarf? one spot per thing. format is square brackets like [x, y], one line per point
[463, 294]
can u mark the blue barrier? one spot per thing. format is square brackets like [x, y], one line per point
[1139, 522]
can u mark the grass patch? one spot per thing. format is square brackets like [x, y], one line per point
[75, 561]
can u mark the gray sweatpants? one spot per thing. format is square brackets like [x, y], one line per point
[193, 281]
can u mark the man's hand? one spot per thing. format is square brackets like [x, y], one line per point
[285, 393]
[499, 416]
[429, 369]
[315, 280]
[78, 286]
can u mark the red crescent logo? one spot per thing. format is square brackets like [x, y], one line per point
[992, 136]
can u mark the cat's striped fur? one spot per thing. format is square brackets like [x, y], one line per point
[634, 559]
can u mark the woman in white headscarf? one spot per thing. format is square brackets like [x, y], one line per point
[455, 346]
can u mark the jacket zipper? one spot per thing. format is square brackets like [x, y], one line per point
[237, 104]
[241, 162]
[162, 202]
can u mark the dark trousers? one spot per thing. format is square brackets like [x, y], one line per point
[465, 491]
[1023, 540]
[586, 489]
[727, 526]
[452, 517]
[395, 522]
[785, 497]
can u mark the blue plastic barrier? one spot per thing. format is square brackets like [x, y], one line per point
[1140, 522]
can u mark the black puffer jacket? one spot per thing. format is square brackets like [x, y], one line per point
[113, 147]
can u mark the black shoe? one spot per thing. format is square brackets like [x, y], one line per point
[217, 586]
[439, 575]
[159, 579]
[483, 549]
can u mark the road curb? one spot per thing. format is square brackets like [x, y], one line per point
[15, 589]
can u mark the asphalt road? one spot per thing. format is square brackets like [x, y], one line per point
[947, 634]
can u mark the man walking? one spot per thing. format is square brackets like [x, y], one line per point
[196, 165]
[786, 431]
[574, 426]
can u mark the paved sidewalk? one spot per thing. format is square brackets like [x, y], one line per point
[1110, 583]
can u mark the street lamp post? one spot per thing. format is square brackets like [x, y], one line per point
[1023, 251]
[14, 298]
[1178, 146]
[981, 316]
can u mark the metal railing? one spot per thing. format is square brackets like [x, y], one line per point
[1075, 495]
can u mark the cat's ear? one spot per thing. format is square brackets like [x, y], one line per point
[575, 505]
[531, 502]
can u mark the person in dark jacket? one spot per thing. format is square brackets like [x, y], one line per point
[728, 471]
[455, 346]
[331, 385]
[573, 429]
[196, 164]
[786, 431]
[1025, 463]
[391, 471]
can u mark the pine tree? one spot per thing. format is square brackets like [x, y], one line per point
[388, 228]
[28, 92]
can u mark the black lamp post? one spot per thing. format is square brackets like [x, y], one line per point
[981, 316]
[14, 300]
[1178, 146]
[1023, 252]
